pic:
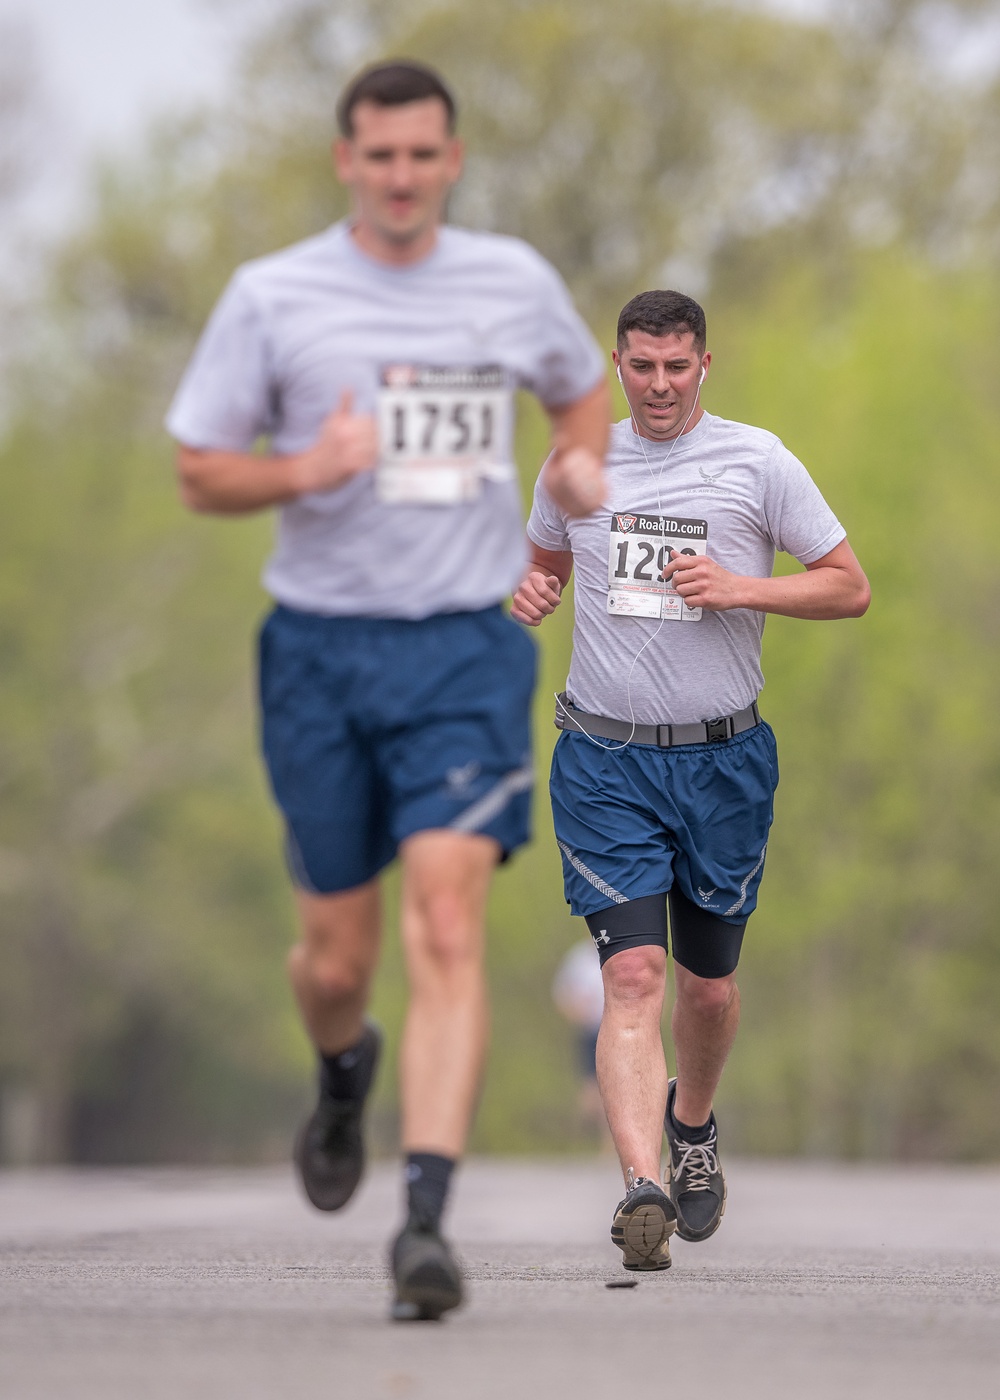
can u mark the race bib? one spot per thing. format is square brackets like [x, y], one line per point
[442, 432]
[640, 548]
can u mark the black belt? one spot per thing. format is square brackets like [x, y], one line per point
[710, 731]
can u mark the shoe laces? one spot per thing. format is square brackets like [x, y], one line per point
[697, 1163]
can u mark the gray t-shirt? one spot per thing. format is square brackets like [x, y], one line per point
[436, 350]
[728, 490]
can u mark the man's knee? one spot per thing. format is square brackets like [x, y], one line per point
[635, 975]
[444, 891]
[710, 997]
[333, 973]
[444, 931]
[339, 944]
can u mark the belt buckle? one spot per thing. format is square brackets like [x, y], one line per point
[716, 730]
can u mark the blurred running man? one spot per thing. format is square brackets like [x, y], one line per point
[578, 992]
[664, 775]
[379, 359]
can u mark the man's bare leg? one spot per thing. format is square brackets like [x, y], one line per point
[332, 965]
[633, 1077]
[631, 1069]
[706, 1017]
[331, 969]
[446, 877]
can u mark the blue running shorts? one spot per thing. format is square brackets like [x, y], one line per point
[638, 821]
[376, 728]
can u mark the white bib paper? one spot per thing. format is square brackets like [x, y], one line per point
[443, 430]
[639, 550]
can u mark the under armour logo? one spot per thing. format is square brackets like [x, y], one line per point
[601, 937]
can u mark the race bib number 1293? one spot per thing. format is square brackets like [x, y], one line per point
[639, 550]
[443, 430]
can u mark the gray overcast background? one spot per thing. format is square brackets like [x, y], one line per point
[105, 67]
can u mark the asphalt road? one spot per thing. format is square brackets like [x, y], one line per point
[823, 1282]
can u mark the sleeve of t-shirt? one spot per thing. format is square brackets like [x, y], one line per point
[225, 398]
[796, 517]
[568, 360]
[546, 523]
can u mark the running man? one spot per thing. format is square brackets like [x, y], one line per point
[379, 360]
[664, 774]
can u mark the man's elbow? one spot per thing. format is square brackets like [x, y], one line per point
[190, 483]
[860, 600]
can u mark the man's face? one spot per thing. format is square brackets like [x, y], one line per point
[400, 164]
[660, 376]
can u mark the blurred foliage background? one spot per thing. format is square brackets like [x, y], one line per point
[829, 190]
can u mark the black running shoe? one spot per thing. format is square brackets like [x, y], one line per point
[694, 1179]
[643, 1224]
[428, 1279]
[330, 1149]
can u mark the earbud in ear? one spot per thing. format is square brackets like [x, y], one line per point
[618, 371]
[701, 378]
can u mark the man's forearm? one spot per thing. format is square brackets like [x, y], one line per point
[818, 594]
[573, 475]
[583, 423]
[236, 483]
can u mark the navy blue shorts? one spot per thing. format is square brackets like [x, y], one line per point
[376, 728]
[640, 821]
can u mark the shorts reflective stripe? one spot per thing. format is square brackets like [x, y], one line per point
[492, 803]
[296, 864]
[600, 885]
[735, 908]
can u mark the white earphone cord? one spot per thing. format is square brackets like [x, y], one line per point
[614, 748]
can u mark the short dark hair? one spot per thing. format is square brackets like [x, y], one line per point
[662, 313]
[392, 85]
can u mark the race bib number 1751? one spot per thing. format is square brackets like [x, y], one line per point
[443, 430]
[639, 550]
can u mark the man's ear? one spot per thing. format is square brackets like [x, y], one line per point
[342, 153]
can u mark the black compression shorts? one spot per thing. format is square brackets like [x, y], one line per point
[702, 942]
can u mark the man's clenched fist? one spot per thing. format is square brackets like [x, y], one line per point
[538, 595]
[703, 583]
[347, 444]
[574, 478]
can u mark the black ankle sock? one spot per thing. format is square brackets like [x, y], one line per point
[427, 1179]
[348, 1074]
[695, 1136]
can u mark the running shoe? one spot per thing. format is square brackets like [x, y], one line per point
[428, 1279]
[330, 1149]
[643, 1224]
[694, 1179]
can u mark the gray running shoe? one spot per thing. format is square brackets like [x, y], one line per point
[643, 1224]
[330, 1149]
[694, 1179]
[428, 1279]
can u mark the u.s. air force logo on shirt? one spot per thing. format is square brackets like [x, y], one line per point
[639, 550]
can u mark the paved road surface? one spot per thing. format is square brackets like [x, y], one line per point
[823, 1282]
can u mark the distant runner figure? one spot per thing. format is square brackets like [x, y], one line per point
[578, 992]
[663, 778]
[380, 360]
